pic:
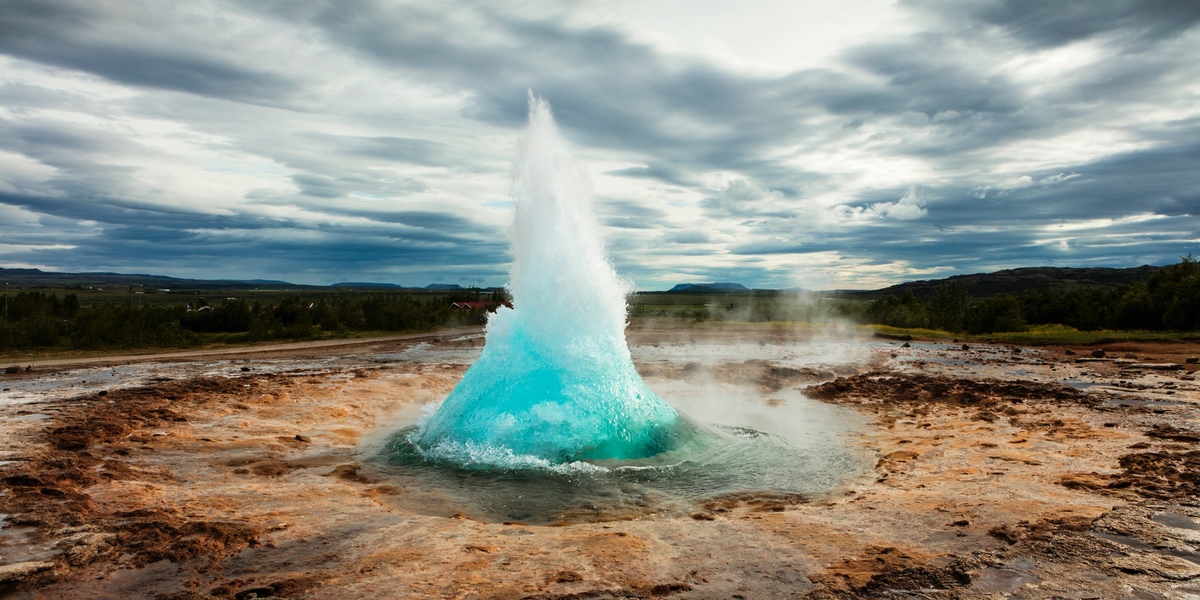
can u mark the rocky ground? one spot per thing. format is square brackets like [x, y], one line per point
[999, 472]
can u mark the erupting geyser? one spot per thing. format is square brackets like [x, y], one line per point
[555, 382]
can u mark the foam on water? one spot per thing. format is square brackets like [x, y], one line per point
[555, 383]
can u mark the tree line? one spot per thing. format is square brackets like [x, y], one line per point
[37, 319]
[1167, 300]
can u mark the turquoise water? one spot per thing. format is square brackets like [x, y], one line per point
[719, 461]
[529, 400]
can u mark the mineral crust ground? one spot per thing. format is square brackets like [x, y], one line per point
[994, 472]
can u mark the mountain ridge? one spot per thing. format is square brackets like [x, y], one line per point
[980, 285]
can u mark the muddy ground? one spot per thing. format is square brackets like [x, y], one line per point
[998, 472]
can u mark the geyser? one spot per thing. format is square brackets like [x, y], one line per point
[555, 382]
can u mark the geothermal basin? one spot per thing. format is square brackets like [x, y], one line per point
[981, 474]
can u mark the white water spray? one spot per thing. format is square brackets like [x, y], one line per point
[555, 382]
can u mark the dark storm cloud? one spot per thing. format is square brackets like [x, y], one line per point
[320, 187]
[661, 172]
[628, 214]
[124, 221]
[407, 150]
[1158, 180]
[434, 221]
[76, 35]
[332, 254]
[1046, 24]
[125, 212]
[932, 82]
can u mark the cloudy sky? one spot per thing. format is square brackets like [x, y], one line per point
[847, 144]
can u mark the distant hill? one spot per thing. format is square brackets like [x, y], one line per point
[709, 287]
[1015, 281]
[39, 278]
[364, 285]
[980, 285]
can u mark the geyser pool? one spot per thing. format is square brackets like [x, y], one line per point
[776, 442]
[555, 382]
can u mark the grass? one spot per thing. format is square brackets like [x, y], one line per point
[1043, 335]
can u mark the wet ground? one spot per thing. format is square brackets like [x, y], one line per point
[977, 472]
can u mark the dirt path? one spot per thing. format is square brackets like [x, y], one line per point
[291, 348]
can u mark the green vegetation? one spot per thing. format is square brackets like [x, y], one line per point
[1169, 300]
[49, 321]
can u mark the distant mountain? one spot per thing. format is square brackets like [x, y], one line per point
[39, 278]
[1015, 281]
[709, 287]
[363, 284]
[443, 286]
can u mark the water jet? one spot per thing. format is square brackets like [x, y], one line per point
[555, 382]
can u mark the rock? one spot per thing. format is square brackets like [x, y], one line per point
[245, 369]
[1016, 350]
[16, 572]
[1099, 353]
[261, 593]
[22, 481]
[102, 393]
[86, 547]
[1130, 355]
[568, 576]
[1070, 352]
[906, 345]
[189, 595]
[12, 369]
[1155, 366]
[1191, 360]
[966, 347]
[303, 438]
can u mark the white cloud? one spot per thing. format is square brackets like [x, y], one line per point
[909, 207]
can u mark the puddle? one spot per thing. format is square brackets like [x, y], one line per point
[17, 544]
[1137, 544]
[1140, 402]
[30, 417]
[61, 385]
[1176, 520]
[993, 580]
[426, 353]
